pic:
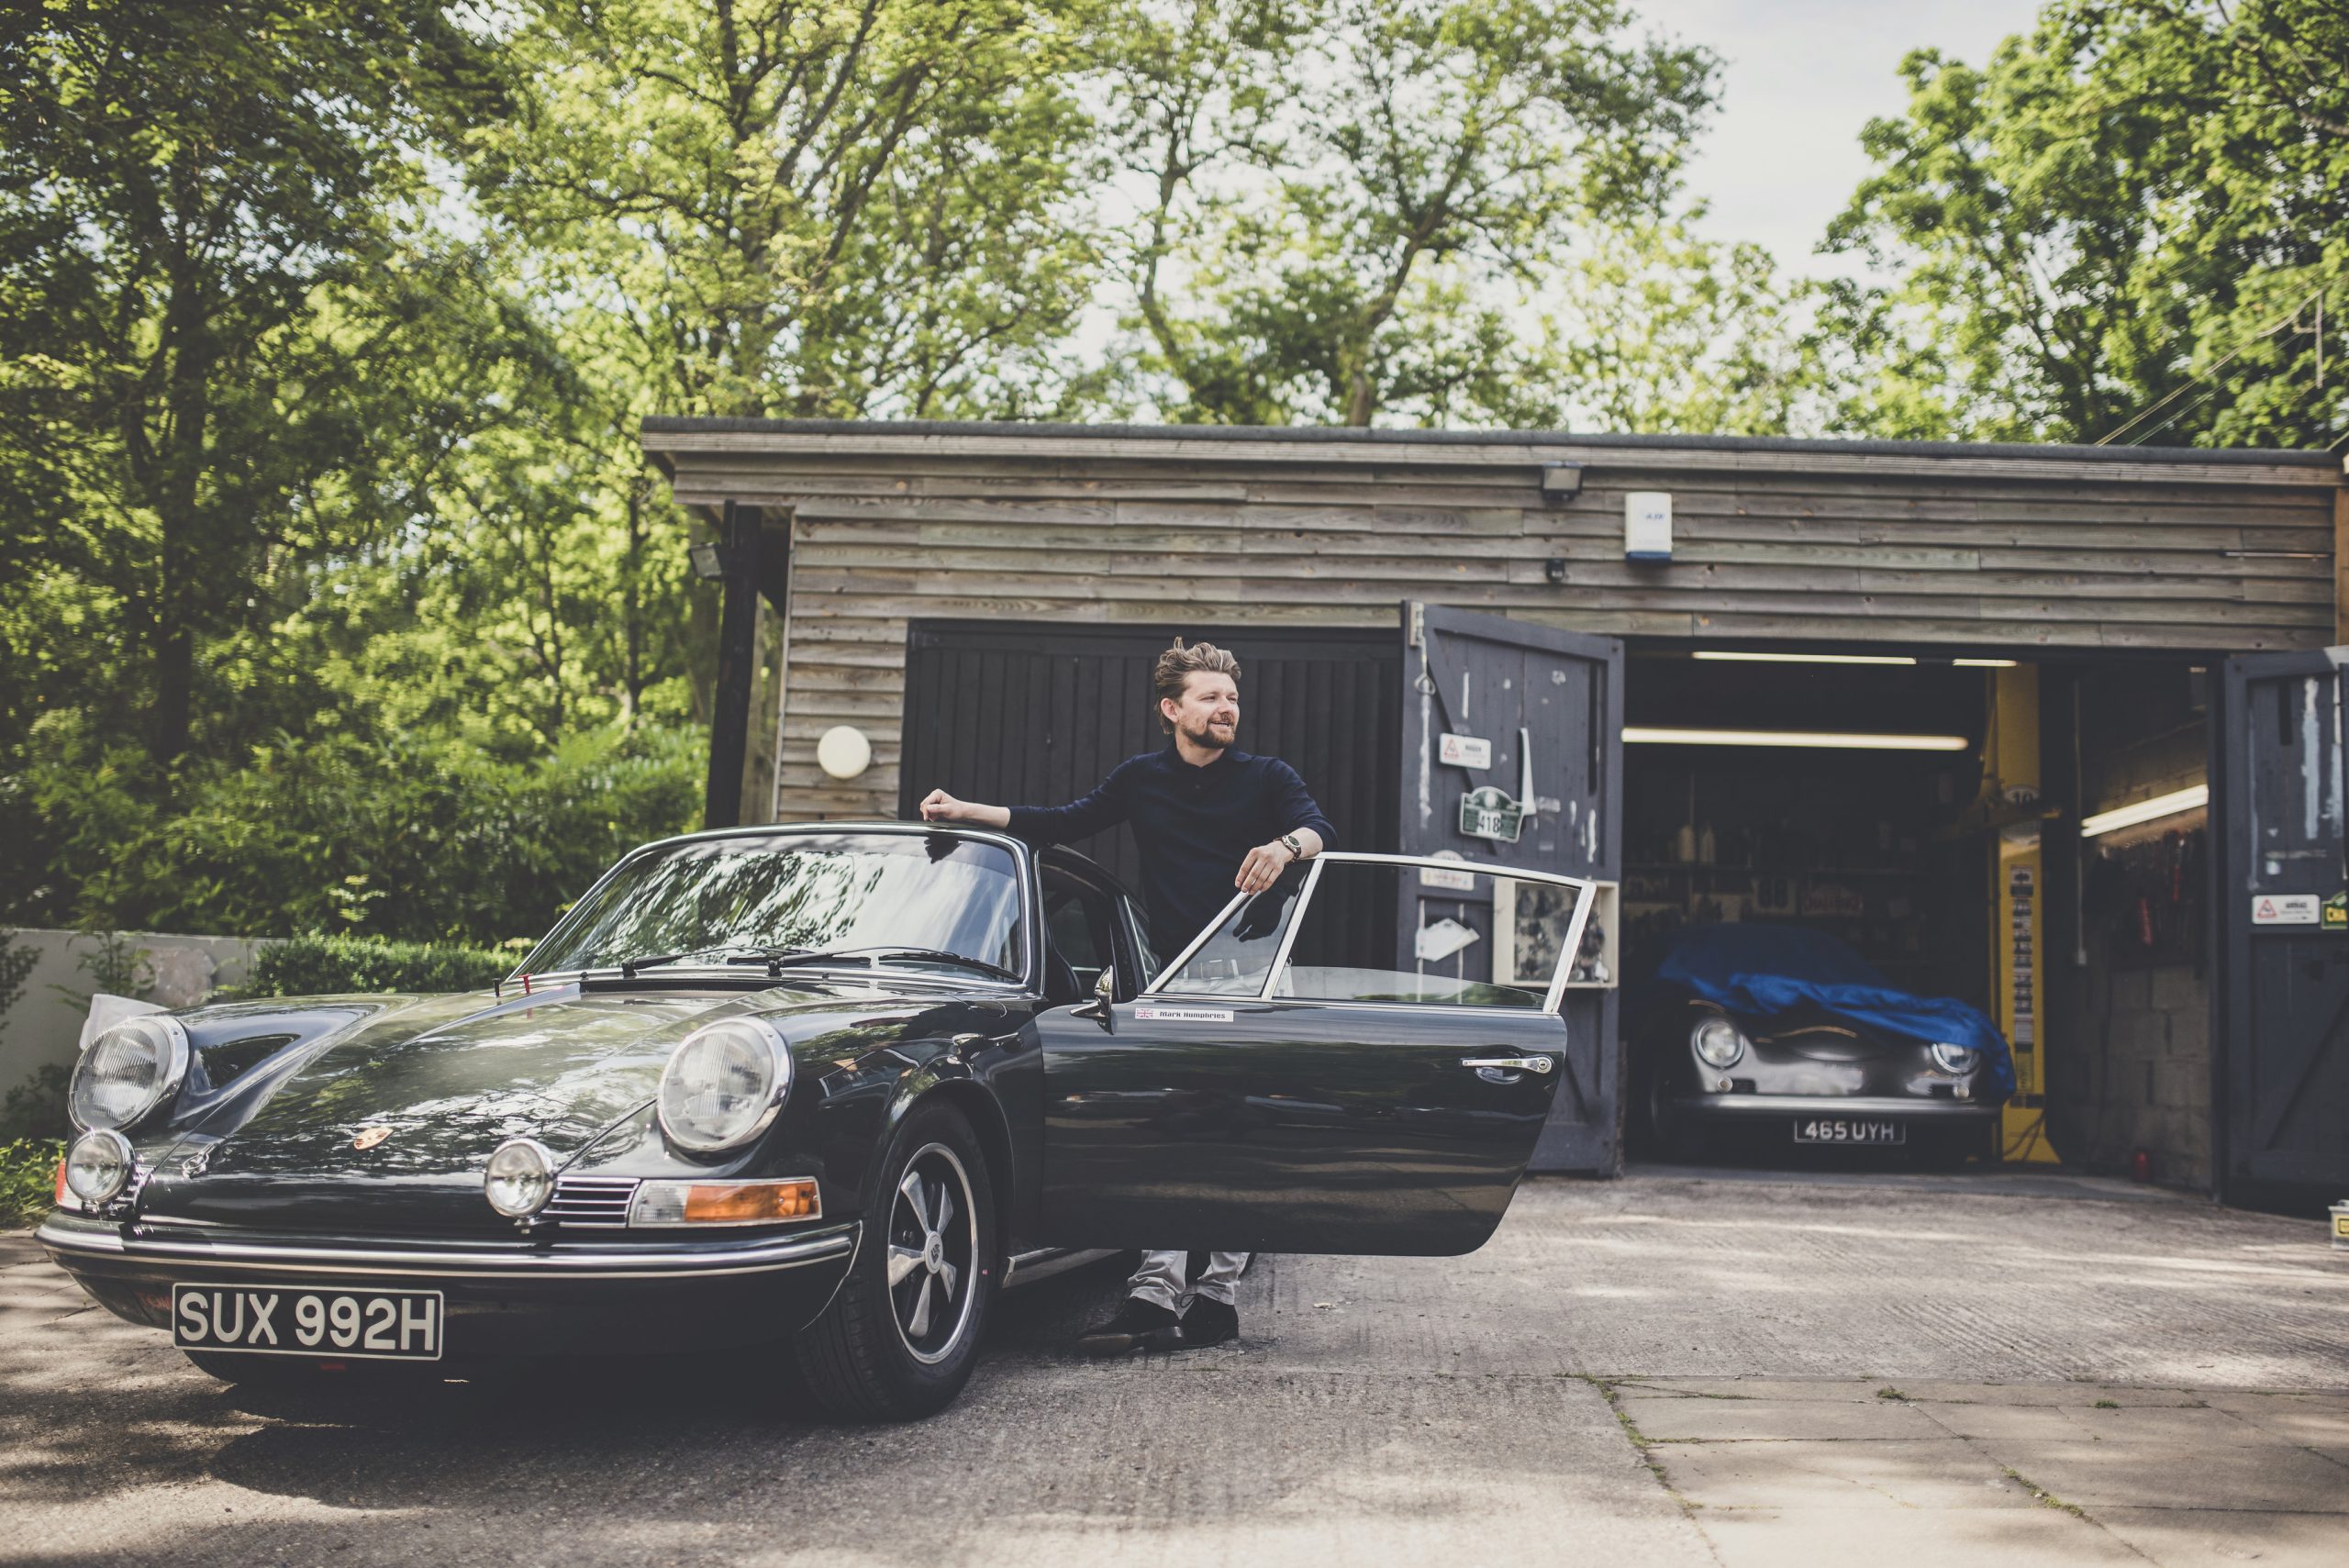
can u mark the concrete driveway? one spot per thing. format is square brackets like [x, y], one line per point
[1697, 1368]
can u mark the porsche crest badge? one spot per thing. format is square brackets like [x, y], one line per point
[369, 1136]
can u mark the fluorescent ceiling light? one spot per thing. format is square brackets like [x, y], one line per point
[1646, 735]
[1984, 664]
[2169, 804]
[1729, 656]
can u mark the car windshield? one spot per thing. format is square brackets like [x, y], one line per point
[819, 893]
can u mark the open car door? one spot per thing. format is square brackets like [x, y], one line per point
[1285, 1086]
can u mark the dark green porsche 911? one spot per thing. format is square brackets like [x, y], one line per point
[820, 1090]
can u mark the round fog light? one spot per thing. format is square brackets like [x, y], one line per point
[98, 1167]
[519, 1178]
[1953, 1059]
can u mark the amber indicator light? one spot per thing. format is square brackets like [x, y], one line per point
[750, 1202]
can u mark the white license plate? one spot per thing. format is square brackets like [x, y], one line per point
[1846, 1129]
[308, 1320]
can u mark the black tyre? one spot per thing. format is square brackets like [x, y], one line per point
[902, 1334]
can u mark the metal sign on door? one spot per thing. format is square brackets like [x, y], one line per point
[1489, 813]
[2284, 909]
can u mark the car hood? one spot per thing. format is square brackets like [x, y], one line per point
[447, 1079]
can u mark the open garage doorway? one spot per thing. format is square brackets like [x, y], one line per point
[1822, 817]
[2017, 841]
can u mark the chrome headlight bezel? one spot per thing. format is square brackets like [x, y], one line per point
[1955, 1060]
[117, 1153]
[766, 1047]
[536, 1162]
[166, 1042]
[1705, 1037]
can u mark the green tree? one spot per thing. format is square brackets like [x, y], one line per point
[179, 187]
[2121, 229]
[1351, 202]
[812, 207]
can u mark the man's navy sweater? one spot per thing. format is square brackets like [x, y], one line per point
[1195, 826]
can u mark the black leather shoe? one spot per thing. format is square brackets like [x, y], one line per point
[1139, 1325]
[1208, 1321]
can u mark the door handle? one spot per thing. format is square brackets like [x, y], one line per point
[1510, 1064]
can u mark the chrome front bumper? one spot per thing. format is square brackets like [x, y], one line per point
[75, 1246]
[1747, 1108]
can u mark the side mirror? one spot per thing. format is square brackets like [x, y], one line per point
[1105, 993]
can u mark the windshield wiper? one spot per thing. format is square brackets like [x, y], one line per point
[872, 956]
[628, 966]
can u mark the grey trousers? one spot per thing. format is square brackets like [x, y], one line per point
[1159, 1281]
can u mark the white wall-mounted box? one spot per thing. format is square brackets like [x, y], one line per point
[1647, 525]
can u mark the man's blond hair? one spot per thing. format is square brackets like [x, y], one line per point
[1178, 665]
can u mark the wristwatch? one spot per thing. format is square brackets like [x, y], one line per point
[1296, 849]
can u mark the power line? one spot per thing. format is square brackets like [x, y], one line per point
[2286, 319]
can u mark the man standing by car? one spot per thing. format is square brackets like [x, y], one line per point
[1208, 818]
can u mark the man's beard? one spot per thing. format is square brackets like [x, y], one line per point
[1208, 740]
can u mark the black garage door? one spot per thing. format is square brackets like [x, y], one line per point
[1029, 714]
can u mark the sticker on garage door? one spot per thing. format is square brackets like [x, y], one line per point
[2284, 910]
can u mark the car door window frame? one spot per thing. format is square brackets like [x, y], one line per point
[1586, 896]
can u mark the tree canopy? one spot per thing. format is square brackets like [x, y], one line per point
[337, 594]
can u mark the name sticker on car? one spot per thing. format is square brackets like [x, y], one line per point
[1184, 1015]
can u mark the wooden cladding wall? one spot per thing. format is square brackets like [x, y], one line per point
[1973, 550]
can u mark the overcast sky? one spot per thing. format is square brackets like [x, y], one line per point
[1801, 78]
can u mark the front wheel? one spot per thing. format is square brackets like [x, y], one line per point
[902, 1334]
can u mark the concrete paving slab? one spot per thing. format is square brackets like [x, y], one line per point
[1939, 1472]
[2317, 1418]
[2252, 1472]
[1940, 1538]
[2177, 1538]
[1668, 1419]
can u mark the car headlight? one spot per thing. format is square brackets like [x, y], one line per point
[1954, 1059]
[98, 1166]
[1717, 1042]
[519, 1178]
[724, 1085]
[127, 1071]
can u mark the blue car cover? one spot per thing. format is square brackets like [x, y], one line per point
[1761, 970]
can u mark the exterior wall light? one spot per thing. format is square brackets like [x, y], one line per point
[844, 752]
[710, 562]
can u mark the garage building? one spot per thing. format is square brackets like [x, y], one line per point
[2043, 728]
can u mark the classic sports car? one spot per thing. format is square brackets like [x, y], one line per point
[1789, 1031]
[819, 1088]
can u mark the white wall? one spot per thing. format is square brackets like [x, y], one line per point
[45, 1026]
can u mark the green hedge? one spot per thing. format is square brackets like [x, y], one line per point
[318, 966]
[27, 1179]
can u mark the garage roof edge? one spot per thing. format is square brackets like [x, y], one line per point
[797, 434]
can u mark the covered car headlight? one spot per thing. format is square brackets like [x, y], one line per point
[1955, 1059]
[1716, 1042]
[724, 1085]
[98, 1166]
[128, 1072]
[519, 1178]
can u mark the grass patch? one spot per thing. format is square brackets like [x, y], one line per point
[1889, 1392]
[27, 1179]
[2106, 1404]
[2040, 1496]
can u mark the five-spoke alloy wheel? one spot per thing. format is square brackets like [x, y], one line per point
[933, 1239]
[900, 1337]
